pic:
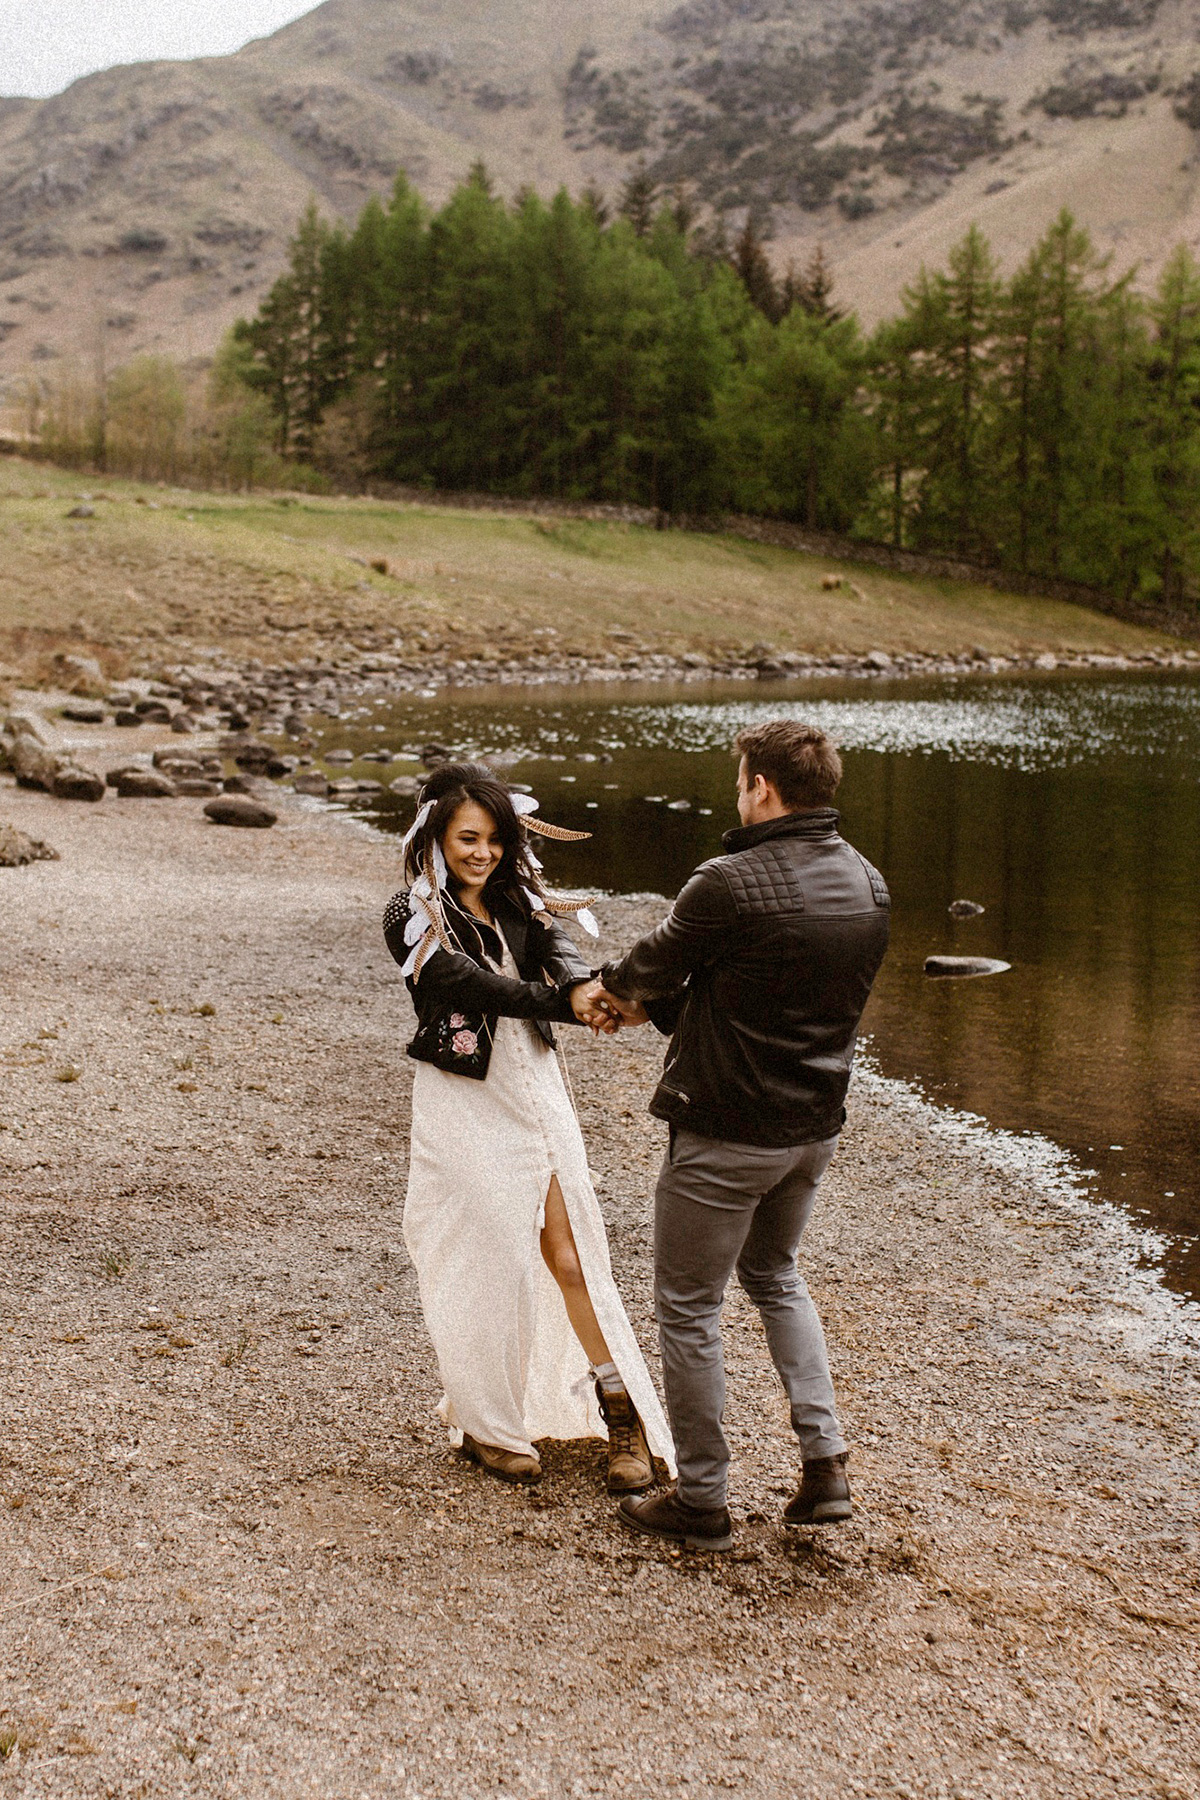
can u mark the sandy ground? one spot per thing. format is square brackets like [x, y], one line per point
[239, 1558]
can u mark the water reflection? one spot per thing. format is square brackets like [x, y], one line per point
[1070, 809]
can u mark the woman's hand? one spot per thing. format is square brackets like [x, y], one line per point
[590, 1009]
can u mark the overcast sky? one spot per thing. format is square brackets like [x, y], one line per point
[46, 44]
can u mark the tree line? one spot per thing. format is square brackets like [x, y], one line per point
[1046, 423]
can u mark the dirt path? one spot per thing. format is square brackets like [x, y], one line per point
[238, 1557]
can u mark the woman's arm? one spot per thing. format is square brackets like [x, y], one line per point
[561, 957]
[454, 981]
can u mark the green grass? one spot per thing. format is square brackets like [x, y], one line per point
[281, 576]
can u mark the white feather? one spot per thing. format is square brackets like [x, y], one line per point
[535, 900]
[523, 803]
[422, 814]
[587, 919]
[440, 870]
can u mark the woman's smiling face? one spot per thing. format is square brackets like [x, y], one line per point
[472, 846]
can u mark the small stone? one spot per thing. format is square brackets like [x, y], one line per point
[16, 849]
[125, 715]
[965, 909]
[153, 712]
[82, 512]
[829, 582]
[145, 784]
[1047, 660]
[877, 659]
[433, 754]
[308, 781]
[84, 712]
[197, 787]
[183, 722]
[407, 786]
[239, 809]
[339, 756]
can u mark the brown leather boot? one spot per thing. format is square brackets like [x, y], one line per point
[824, 1496]
[506, 1465]
[667, 1516]
[630, 1469]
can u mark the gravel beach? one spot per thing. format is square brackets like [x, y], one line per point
[239, 1557]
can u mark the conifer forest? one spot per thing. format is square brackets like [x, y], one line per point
[1046, 423]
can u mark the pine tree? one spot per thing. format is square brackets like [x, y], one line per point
[1173, 385]
[638, 200]
[811, 291]
[753, 265]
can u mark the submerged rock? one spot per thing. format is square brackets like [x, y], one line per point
[965, 965]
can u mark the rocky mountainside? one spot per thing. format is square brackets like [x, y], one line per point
[147, 206]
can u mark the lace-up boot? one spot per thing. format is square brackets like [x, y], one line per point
[824, 1496]
[505, 1465]
[630, 1469]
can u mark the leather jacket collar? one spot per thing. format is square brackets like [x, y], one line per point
[469, 932]
[822, 821]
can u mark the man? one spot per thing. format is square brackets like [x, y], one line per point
[760, 972]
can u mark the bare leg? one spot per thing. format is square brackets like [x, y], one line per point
[562, 1259]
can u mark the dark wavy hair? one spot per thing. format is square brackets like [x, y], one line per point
[448, 786]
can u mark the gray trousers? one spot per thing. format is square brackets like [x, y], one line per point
[721, 1206]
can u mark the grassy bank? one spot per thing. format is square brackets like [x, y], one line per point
[281, 577]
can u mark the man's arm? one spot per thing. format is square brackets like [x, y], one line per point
[691, 935]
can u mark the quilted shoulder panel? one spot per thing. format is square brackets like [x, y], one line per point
[766, 879]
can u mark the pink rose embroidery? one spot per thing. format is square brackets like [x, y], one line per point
[464, 1043]
[456, 1021]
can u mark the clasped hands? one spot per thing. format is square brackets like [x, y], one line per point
[593, 1005]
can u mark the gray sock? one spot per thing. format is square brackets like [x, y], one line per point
[609, 1377]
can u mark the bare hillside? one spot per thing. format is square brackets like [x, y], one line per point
[146, 207]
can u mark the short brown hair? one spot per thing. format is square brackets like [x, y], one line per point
[797, 759]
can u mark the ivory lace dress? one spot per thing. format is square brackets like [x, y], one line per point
[483, 1153]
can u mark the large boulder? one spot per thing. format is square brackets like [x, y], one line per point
[32, 763]
[70, 783]
[239, 809]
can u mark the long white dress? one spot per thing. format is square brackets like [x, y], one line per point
[482, 1156]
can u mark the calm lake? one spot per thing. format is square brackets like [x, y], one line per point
[1068, 807]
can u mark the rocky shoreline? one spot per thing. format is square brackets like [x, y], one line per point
[241, 1561]
[242, 703]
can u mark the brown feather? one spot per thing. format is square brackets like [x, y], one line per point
[554, 831]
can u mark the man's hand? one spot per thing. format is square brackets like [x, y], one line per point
[590, 1009]
[630, 1012]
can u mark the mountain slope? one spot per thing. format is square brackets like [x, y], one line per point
[148, 206]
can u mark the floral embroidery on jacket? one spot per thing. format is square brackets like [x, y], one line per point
[464, 1043]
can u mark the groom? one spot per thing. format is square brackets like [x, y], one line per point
[760, 972]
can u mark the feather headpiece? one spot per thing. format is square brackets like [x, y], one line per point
[428, 927]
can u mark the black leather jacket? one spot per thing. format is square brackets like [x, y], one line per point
[458, 998]
[761, 972]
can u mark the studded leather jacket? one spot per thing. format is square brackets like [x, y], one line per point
[760, 973]
[459, 996]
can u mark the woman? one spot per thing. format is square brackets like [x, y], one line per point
[501, 1219]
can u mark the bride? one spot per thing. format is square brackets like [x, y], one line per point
[501, 1218]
